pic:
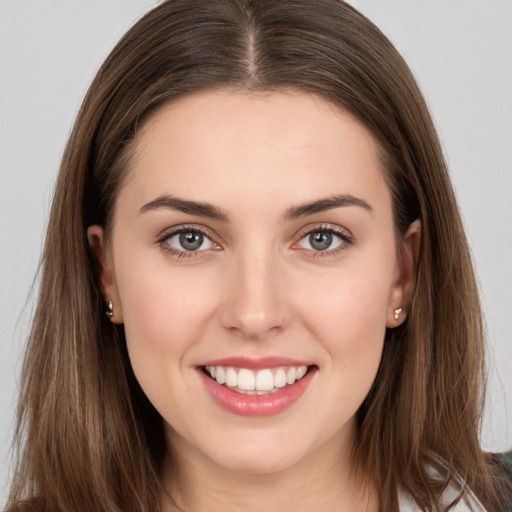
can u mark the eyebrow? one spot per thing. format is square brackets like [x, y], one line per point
[323, 205]
[207, 210]
[181, 205]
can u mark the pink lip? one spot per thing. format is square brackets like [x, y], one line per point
[256, 364]
[255, 405]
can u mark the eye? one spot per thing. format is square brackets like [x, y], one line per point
[324, 240]
[187, 241]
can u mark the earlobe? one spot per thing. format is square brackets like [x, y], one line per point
[96, 238]
[401, 294]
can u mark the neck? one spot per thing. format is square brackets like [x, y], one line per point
[327, 480]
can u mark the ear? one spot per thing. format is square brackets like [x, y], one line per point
[96, 238]
[407, 260]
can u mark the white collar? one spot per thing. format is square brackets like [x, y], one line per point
[469, 503]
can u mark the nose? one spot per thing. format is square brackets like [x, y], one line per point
[255, 305]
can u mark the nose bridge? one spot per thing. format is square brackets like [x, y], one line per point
[255, 305]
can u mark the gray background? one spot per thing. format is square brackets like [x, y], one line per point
[460, 51]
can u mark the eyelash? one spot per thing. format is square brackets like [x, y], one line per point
[184, 229]
[344, 236]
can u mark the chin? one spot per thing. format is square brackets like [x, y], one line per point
[260, 462]
[254, 452]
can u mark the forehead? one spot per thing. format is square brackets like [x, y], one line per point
[278, 146]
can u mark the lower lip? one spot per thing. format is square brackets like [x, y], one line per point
[256, 405]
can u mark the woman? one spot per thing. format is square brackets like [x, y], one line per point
[255, 195]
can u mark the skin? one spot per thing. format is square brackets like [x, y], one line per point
[259, 289]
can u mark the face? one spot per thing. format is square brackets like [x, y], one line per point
[253, 263]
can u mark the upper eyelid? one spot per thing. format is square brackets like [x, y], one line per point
[180, 228]
[334, 228]
[342, 233]
[171, 232]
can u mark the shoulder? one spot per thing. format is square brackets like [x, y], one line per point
[467, 503]
[506, 461]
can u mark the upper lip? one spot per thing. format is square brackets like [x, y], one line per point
[256, 363]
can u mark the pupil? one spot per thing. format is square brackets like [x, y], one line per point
[320, 240]
[191, 241]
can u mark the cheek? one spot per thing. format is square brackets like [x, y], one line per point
[165, 314]
[347, 314]
[348, 307]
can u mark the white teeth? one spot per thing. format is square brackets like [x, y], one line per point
[231, 378]
[280, 379]
[264, 380]
[220, 375]
[259, 382]
[246, 380]
[301, 371]
[291, 375]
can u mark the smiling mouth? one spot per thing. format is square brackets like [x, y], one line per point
[256, 382]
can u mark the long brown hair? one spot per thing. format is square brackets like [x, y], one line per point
[88, 437]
